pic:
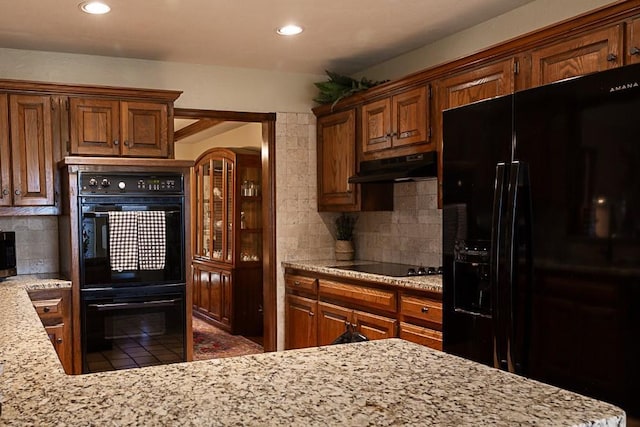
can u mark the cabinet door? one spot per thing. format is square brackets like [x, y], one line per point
[144, 129]
[376, 125]
[5, 159]
[226, 294]
[409, 121]
[59, 336]
[215, 295]
[95, 126]
[31, 150]
[374, 327]
[337, 161]
[205, 291]
[332, 322]
[301, 327]
[595, 51]
[633, 41]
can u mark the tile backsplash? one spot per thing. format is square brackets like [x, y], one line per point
[36, 242]
[411, 234]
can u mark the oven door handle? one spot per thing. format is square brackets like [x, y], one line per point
[130, 305]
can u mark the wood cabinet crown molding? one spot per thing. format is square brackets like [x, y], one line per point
[571, 27]
[36, 87]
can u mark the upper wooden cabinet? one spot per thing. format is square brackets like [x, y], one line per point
[476, 84]
[104, 127]
[588, 53]
[337, 161]
[26, 151]
[398, 121]
[633, 41]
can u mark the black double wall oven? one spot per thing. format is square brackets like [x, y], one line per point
[132, 269]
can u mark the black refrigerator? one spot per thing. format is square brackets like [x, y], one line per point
[541, 234]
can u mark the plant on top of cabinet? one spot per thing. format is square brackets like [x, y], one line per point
[339, 87]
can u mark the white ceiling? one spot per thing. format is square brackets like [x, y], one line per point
[345, 36]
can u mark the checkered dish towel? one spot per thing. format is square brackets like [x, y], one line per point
[152, 241]
[123, 240]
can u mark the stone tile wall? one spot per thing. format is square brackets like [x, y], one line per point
[36, 242]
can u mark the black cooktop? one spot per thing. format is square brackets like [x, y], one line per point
[391, 269]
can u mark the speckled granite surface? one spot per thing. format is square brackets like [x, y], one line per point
[428, 283]
[390, 382]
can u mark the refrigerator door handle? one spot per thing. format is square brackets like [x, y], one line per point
[494, 267]
[510, 234]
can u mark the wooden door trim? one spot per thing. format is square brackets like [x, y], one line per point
[268, 158]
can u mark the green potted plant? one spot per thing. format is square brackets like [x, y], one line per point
[344, 237]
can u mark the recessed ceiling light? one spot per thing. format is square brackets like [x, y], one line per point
[94, 7]
[289, 30]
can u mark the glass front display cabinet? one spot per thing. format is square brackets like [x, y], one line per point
[227, 228]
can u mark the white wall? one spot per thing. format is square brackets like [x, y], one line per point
[525, 19]
[203, 86]
[248, 135]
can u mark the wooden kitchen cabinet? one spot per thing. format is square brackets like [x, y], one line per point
[301, 322]
[111, 127]
[337, 161]
[594, 51]
[333, 321]
[421, 319]
[54, 309]
[26, 152]
[395, 122]
[633, 41]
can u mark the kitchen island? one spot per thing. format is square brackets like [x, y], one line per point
[387, 382]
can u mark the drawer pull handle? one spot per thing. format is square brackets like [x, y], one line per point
[612, 57]
[425, 309]
[635, 51]
[297, 283]
[311, 313]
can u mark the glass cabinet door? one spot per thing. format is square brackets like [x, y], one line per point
[217, 208]
[229, 212]
[250, 215]
[203, 202]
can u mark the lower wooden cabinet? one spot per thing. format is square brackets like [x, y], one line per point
[231, 299]
[301, 324]
[54, 309]
[333, 321]
[320, 309]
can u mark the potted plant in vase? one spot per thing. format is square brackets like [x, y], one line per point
[344, 237]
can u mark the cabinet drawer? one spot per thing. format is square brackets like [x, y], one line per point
[303, 283]
[46, 307]
[363, 295]
[422, 308]
[419, 335]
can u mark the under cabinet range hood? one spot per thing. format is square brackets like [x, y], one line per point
[397, 169]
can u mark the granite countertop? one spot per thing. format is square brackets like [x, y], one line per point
[428, 283]
[387, 382]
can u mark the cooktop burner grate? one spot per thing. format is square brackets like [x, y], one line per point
[391, 269]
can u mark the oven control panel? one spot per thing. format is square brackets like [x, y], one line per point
[94, 183]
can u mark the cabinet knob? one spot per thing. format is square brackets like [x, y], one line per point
[18, 192]
[634, 50]
[5, 192]
[46, 309]
[116, 142]
[297, 283]
[425, 309]
[311, 313]
[59, 340]
[126, 144]
[612, 57]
